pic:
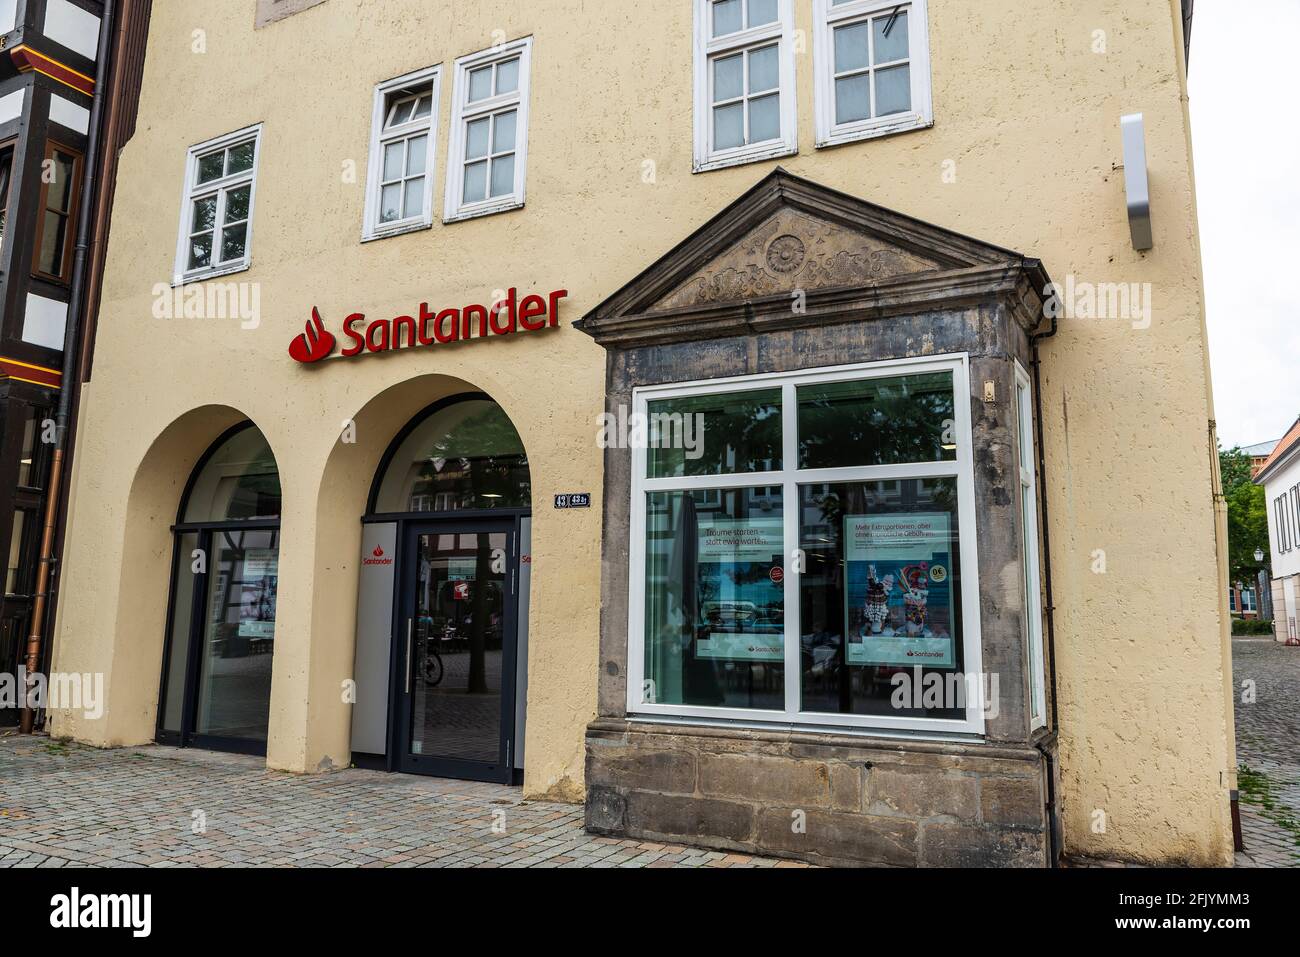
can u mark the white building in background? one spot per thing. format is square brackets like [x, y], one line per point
[1280, 477]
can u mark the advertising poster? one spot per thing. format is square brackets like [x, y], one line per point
[898, 590]
[257, 605]
[741, 593]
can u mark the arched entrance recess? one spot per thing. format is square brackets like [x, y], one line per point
[446, 534]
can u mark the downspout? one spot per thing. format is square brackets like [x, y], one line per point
[70, 354]
[1053, 825]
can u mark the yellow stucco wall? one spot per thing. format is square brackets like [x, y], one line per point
[1026, 116]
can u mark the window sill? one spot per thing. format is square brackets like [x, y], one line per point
[193, 277]
[686, 725]
[478, 212]
[741, 159]
[907, 125]
[400, 229]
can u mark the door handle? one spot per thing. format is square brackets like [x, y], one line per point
[409, 663]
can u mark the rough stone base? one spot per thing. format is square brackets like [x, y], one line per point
[827, 799]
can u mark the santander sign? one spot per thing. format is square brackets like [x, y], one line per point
[509, 316]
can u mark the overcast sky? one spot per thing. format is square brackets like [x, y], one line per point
[1246, 140]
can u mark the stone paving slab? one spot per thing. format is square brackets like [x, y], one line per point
[67, 805]
[1268, 743]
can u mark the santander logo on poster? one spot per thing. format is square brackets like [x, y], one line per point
[377, 557]
[510, 315]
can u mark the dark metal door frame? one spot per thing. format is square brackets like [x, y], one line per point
[401, 697]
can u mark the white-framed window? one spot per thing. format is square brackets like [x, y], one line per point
[404, 133]
[794, 547]
[744, 82]
[1248, 601]
[1033, 611]
[488, 150]
[216, 234]
[872, 63]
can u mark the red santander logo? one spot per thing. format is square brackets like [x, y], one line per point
[314, 344]
[510, 315]
[377, 557]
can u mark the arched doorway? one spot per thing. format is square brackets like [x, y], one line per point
[452, 498]
[216, 681]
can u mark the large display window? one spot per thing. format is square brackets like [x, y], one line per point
[803, 548]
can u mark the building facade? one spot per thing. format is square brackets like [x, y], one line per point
[1280, 476]
[63, 67]
[697, 411]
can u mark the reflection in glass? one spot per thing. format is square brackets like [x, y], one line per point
[715, 602]
[238, 481]
[880, 597]
[238, 635]
[885, 421]
[466, 455]
[178, 641]
[457, 638]
[714, 434]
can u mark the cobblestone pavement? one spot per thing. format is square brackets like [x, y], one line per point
[136, 807]
[1268, 751]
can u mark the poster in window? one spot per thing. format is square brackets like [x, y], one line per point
[741, 598]
[898, 590]
[257, 600]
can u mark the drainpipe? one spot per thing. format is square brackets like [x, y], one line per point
[70, 351]
[1053, 812]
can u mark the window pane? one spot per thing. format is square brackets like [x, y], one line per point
[761, 12]
[400, 113]
[423, 107]
[211, 166]
[853, 98]
[233, 241]
[234, 698]
[503, 134]
[764, 73]
[476, 182]
[728, 78]
[414, 205]
[393, 160]
[178, 639]
[880, 598]
[714, 434]
[205, 214]
[241, 158]
[728, 126]
[200, 251]
[715, 603]
[464, 456]
[239, 480]
[765, 119]
[894, 45]
[480, 84]
[476, 139]
[390, 203]
[417, 155]
[508, 77]
[886, 421]
[893, 90]
[53, 240]
[59, 196]
[15, 552]
[27, 477]
[726, 17]
[851, 50]
[237, 204]
[503, 175]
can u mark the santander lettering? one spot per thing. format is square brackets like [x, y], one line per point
[428, 327]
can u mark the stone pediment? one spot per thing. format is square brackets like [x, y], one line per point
[787, 237]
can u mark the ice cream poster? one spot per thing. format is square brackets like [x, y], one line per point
[898, 590]
[740, 593]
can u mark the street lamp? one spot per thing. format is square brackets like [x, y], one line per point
[1259, 554]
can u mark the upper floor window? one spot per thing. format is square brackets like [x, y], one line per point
[217, 219]
[873, 68]
[487, 152]
[59, 184]
[744, 82]
[404, 129]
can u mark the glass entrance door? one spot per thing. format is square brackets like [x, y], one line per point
[457, 668]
